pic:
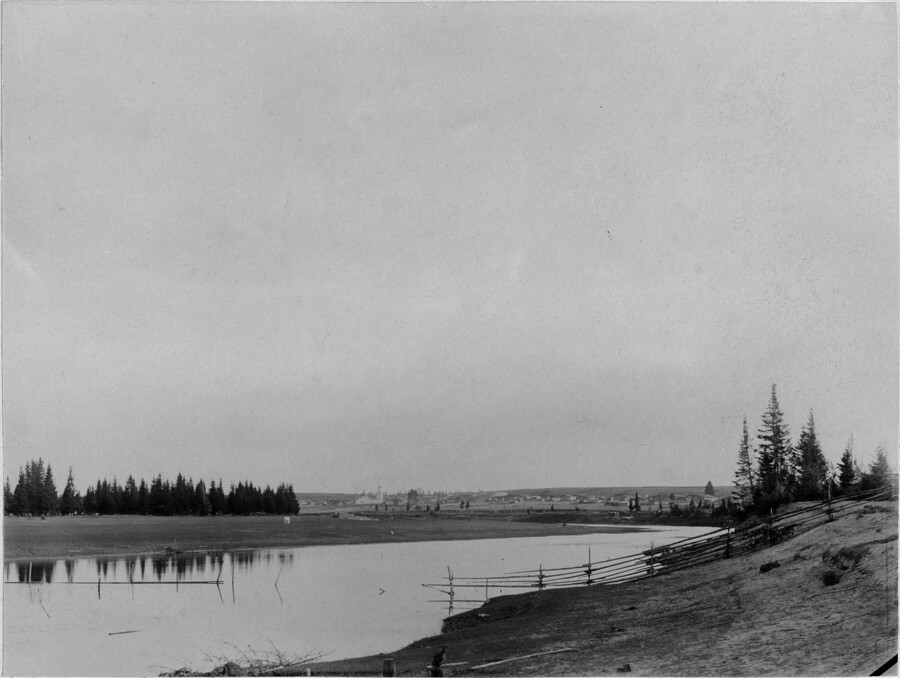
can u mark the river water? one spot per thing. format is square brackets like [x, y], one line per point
[341, 601]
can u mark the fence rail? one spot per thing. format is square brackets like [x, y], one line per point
[726, 542]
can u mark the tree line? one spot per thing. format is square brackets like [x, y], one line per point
[775, 471]
[35, 493]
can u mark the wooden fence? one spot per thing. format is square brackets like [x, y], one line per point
[727, 542]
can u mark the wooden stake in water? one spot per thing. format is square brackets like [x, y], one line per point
[452, 593]
[589, 569]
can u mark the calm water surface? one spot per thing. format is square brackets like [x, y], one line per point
[341, 600]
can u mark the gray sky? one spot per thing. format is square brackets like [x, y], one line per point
[444, 245]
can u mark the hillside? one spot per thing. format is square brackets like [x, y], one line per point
[728, 618]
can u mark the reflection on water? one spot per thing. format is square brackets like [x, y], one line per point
[40, 571]
[135, 569]
[142, 618]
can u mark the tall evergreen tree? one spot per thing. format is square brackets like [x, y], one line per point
[90, 501]
[774, 462]
[67, 503]
[129, 498]
[743, 476]
[160, 500]
[710, 490]
[105, 503]
[143, 499]
[34, 478]
[878, 475]
[216, 498]
[202, 505]
[812, 467]
[20, 495]
[847, 468]
[51, 497]
[7, 497]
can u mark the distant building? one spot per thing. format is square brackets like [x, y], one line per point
[369, 499]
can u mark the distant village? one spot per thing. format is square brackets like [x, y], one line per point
[622, 499]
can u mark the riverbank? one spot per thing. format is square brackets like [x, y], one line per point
[64, 537]
[829, 607]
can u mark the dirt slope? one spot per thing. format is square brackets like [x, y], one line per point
[723, 619]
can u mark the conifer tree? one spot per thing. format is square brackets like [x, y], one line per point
[7, 497]
[847, 468]
[878, 475]
[129, 498]
[143, 499]
[67, 503]
[202, 505]
[90, 501]
[51, 496]
[812, 468]
[743, 476]
[774, 463]
[34, 484]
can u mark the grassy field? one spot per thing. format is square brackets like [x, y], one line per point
[73, 536]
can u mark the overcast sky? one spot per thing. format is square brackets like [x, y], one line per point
[447, 245]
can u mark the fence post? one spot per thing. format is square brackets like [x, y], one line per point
[541, 577]
[450, 577]
[388, 669]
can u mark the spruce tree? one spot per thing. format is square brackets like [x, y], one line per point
[202, 505]
[129, 497]
[67, 503]
[710, 490]
[51, 496]
[812, 468]
[7, 497]
[878, 475]
[774, 464]
[90, 501]
[743, 476]
[34, 483]
[106, 506]
[143, 499]
[847, 468]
